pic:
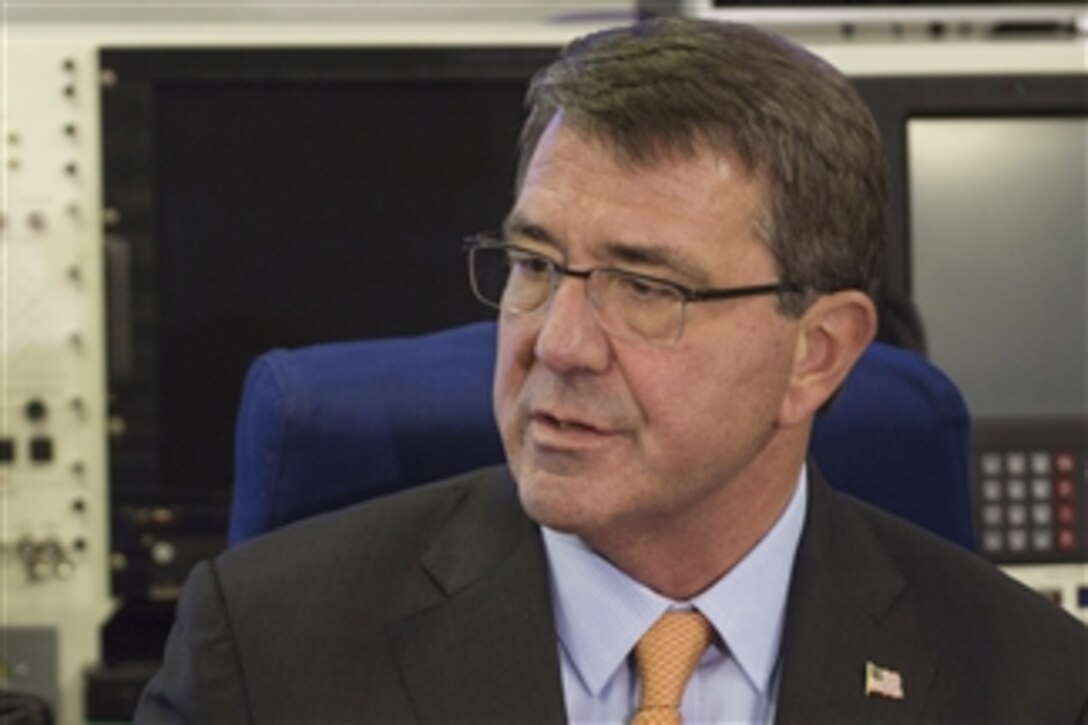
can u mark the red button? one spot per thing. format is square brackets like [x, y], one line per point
[1066, 514]
[1063, 461]
[1067, 540]
[1064, 488]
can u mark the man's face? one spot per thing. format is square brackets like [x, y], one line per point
[603, 434]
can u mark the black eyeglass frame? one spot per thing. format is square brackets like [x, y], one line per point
[687, 294]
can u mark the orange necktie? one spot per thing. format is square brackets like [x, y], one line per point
[666, 657]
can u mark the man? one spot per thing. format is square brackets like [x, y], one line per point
[684, 280]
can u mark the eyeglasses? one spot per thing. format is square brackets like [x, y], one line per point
[628, 306]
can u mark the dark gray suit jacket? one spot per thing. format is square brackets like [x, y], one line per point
[433, 605]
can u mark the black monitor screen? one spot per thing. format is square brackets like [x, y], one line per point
[285, 198]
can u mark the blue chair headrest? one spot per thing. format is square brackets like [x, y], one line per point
[329, 425]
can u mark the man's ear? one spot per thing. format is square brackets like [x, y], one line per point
[834, 331]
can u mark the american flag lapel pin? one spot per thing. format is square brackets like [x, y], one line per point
[883, 682]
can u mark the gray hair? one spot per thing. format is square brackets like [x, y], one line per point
[675, 87]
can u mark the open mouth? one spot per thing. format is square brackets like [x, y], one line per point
[565, 425]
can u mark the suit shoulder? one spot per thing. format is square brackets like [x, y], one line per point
[398, 518]
[375, 541]
[1005, 652]
[960, 584]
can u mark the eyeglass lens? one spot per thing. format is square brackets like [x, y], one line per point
[626, 305]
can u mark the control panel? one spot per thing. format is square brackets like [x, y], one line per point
[53, 541]
[1030, 486]
[1030, 482]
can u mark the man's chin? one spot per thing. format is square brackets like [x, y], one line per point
[554, 500]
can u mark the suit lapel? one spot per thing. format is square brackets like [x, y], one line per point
[849, 607]
[486, 650]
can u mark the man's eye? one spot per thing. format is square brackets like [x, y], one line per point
[527, 264]
[642, 289]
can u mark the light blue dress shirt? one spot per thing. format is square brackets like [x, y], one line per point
[601, 613]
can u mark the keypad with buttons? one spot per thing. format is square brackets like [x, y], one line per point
[1030, 497]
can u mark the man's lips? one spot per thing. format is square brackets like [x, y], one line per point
[565, 423]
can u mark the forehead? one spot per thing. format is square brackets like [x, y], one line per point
[692, 176]
[585, 196]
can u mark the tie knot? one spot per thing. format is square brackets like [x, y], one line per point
[666, 657]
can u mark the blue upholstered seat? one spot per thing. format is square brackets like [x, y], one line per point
[328, 425]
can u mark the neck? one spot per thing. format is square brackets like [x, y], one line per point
[681, 554]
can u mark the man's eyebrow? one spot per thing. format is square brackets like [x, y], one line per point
[518, 225]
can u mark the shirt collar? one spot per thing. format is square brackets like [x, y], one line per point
[601, 612]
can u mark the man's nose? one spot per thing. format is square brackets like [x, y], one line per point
[570, 336]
